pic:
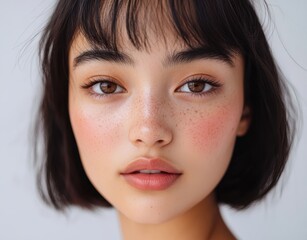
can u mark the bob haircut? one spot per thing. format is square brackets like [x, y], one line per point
[227, 27]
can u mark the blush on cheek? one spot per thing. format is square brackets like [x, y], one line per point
[210, 130]
[93, 134]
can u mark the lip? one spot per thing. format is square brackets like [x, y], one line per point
[150, 181]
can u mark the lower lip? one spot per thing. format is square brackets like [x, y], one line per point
[156, 182]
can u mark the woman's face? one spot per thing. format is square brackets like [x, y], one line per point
[131, 108]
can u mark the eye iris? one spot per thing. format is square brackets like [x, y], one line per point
[196, 86]
[108, 87]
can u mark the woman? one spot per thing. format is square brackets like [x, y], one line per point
[162, 110]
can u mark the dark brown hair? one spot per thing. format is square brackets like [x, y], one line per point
[227, 26]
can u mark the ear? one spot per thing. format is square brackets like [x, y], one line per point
[244, 121]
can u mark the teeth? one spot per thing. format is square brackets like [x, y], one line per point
[150, 171]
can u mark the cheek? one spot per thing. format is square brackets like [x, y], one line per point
[209, 138]
[211, 130]
[96, 134]
[97, 137]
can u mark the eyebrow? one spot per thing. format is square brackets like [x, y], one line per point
[102, 55]
[190, 55]
[184, 56]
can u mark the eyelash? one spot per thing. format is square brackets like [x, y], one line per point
[200, 79]
[92, 83]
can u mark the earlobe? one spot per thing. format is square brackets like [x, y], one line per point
[244, 122]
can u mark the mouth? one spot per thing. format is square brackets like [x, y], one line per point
[150, 174]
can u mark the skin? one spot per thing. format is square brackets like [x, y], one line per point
[155, 115]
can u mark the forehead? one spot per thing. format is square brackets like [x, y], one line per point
[155, 45]
[144, 24]
[167, 53]
[139, 24]
[155, 27]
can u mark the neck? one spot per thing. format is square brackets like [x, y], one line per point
[203, 221]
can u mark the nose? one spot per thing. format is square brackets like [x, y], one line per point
[149, 126]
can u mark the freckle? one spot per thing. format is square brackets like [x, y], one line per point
[182, 113]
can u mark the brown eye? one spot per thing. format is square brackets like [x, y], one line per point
[197, 86]
[106, 87]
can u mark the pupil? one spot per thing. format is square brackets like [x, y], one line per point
[108, 87]
[196, 86]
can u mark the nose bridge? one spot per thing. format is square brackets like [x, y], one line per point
[149, 105]
[149, 126]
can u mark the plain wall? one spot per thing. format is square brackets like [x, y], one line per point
[282, 215]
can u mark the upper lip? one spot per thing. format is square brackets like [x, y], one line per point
[150, 164]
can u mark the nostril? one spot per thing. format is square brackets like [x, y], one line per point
[149, 136]
[158, 141]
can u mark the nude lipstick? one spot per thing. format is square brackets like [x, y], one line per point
[150, 174]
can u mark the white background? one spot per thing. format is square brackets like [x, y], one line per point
[282, 215]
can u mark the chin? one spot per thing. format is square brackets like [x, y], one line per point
[154, 212]
[151, 217]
